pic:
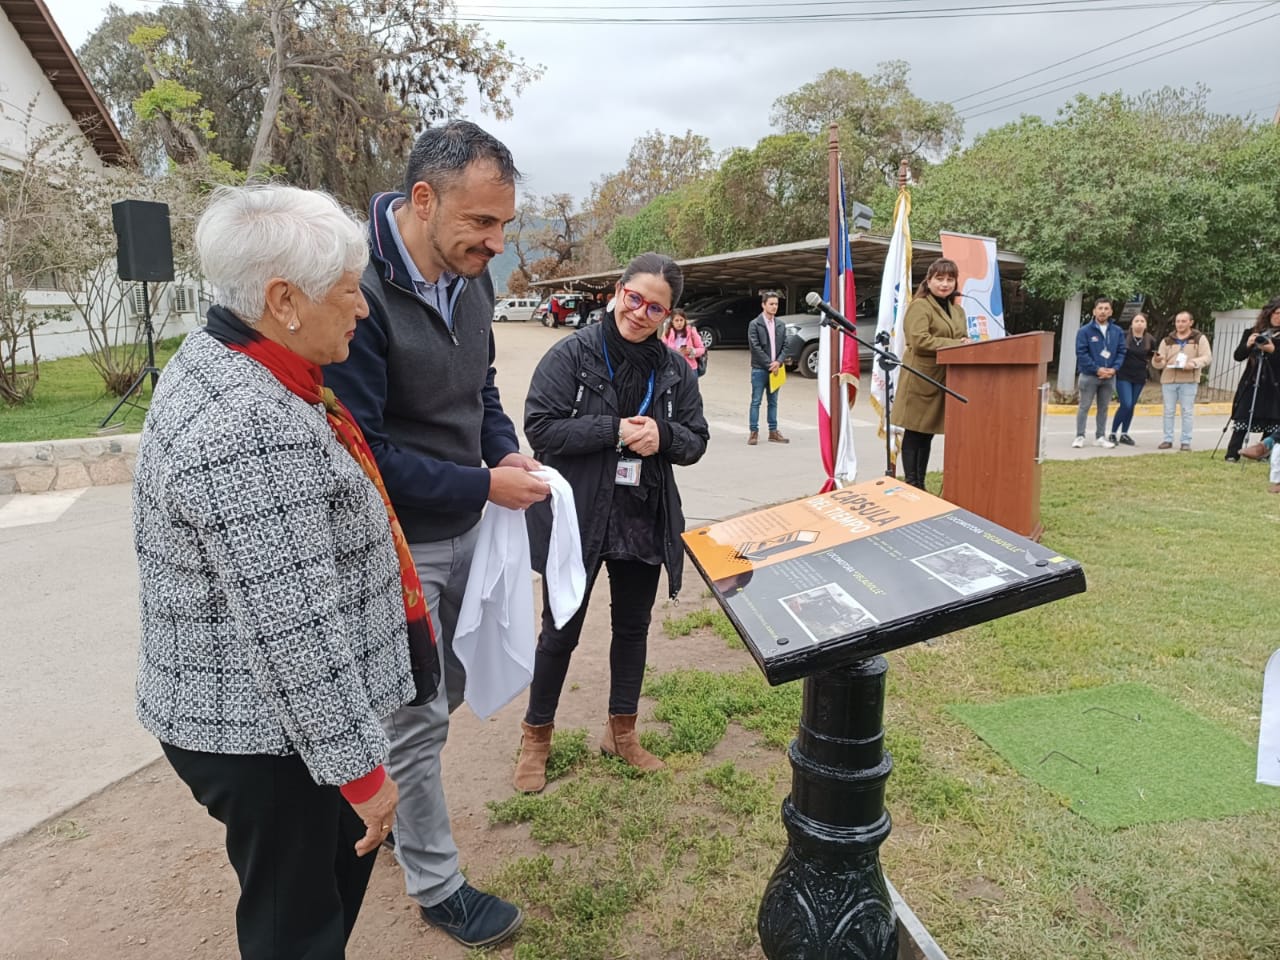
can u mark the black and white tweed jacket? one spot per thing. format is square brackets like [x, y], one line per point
[272, 613]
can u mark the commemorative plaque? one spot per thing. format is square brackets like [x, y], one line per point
[818, 588]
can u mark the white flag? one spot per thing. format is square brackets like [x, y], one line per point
[895, 297]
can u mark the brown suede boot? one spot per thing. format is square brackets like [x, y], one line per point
[531, 768]
[620, 741]
[776, 437]
[752, 438]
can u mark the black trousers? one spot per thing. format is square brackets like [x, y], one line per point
[291, 842]
[915, 456]
[633, 587]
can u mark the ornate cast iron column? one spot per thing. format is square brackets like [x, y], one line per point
[827, 899]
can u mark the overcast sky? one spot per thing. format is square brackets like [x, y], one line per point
[606, 84]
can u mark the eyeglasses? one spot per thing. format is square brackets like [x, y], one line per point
[655, 312]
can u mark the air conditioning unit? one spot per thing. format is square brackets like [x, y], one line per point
[183, 300]
[137, 300]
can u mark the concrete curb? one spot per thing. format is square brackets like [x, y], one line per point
[96, 461]
[67, 464]
[1150, 409]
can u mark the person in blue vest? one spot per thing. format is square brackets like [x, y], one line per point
[420, 382]
[1100, 348]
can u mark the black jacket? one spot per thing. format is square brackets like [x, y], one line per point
[571, 420]
[1266, 407]
[758, 341]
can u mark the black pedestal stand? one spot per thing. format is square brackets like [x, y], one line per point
[150, 370]
[828, 897]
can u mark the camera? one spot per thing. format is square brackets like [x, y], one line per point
[1266, 336]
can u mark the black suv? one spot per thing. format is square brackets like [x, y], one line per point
[724, 320]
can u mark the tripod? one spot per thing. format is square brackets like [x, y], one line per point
[1257, 355]
[150, 370]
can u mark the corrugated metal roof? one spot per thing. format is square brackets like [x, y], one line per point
[802, 263]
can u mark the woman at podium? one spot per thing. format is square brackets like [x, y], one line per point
[932, 322]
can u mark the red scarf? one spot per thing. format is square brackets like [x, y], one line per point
[303, 378]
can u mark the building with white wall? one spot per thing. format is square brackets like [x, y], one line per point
[39, 71]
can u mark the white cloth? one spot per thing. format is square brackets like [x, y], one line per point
[1269, 729]
[1275, 462]
[495, 637]
[566, 576]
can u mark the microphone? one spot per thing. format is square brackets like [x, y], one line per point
[841, 321]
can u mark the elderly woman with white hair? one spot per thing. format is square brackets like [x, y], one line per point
[282, 617]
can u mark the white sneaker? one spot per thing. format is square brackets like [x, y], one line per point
[1078, 442]
[1102, 442]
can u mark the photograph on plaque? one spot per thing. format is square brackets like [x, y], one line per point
[966, 569]
[827, 612]
[838, 576]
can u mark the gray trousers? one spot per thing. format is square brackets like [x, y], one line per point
[424, 837]
[1090, 388]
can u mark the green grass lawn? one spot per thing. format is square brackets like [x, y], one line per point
[70, 401]
[1178, 552]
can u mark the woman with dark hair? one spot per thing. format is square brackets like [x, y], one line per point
[932, 322]
[1131, 378]
[684, 340]
[1257, 350]
[613, 410]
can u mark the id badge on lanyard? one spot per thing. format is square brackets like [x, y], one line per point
[627, 473]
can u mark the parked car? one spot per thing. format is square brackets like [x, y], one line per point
[804, 329]
[562, 310]
[725, 320]
[514, 308]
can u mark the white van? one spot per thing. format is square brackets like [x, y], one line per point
[515, 308]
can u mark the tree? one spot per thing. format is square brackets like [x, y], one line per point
[657, 164]
[881, 122]
[328, 93]
[1181, 205]
[27, 259]
[546, 235]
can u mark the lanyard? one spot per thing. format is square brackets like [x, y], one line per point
[648, 397]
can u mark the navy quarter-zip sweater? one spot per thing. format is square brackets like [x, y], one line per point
[423, 394]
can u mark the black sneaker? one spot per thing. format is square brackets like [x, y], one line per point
[1127, 440]
[1230, 458]
[1112, 438]
[473, 918]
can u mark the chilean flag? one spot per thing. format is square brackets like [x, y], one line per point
[838, 458]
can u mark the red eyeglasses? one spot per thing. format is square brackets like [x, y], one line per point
[656, 312]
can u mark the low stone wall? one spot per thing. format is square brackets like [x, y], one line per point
[67, 464]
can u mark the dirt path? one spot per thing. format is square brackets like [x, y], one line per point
[139, 869]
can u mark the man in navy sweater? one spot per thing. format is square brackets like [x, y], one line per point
[1100, 347]
[420, 382]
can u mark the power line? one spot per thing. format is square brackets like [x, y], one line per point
[1083, 53]
[1127, 65]
[1075, 75]
[882, 14]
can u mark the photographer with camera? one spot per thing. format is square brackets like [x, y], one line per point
[1256, 407]
[1181, 358]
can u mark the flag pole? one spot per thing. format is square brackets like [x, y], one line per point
[835, 257]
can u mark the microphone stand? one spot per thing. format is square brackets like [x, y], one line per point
[887, 360]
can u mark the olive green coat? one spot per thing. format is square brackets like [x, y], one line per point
[918, 404]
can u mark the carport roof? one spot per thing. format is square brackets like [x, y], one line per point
[802, 263]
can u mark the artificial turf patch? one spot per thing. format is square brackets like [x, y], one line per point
[1124, 754]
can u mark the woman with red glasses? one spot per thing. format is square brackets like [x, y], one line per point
[613, 409]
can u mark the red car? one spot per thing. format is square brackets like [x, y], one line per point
[562, 308]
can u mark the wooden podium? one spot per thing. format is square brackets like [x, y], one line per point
[991, 465]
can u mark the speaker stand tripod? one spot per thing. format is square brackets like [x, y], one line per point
[150, 370]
